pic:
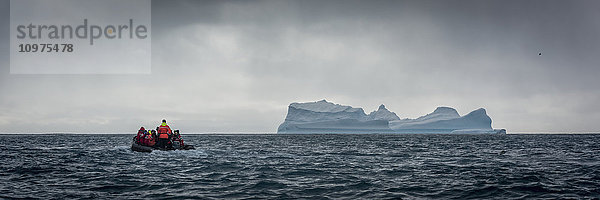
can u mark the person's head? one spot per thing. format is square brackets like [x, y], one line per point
[164, 121]
[142, 128]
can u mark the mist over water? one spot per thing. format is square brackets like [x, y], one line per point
[303, 166]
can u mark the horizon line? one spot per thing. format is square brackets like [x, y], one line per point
[269, 133]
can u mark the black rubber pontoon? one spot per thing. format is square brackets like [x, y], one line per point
[141, 148]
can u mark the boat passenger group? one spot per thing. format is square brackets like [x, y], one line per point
[163, 137]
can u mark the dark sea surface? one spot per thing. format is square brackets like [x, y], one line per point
[303, 166]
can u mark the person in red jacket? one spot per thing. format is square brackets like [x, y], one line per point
[177, 141]
[140, 135]
[164, 134]
[150, 139]
[145, 138]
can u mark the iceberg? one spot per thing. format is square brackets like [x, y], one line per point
[327, 117]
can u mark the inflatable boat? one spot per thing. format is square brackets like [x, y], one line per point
[141, 148]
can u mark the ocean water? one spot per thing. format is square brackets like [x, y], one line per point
[303, 166]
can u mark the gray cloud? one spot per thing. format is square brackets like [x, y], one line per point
[234, 66]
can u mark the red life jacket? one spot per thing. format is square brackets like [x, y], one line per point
[140, 135]
[163, 132]
[150, 140]
[177, 138]
[145, 139]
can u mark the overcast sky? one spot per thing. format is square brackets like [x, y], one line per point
[234, 66]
